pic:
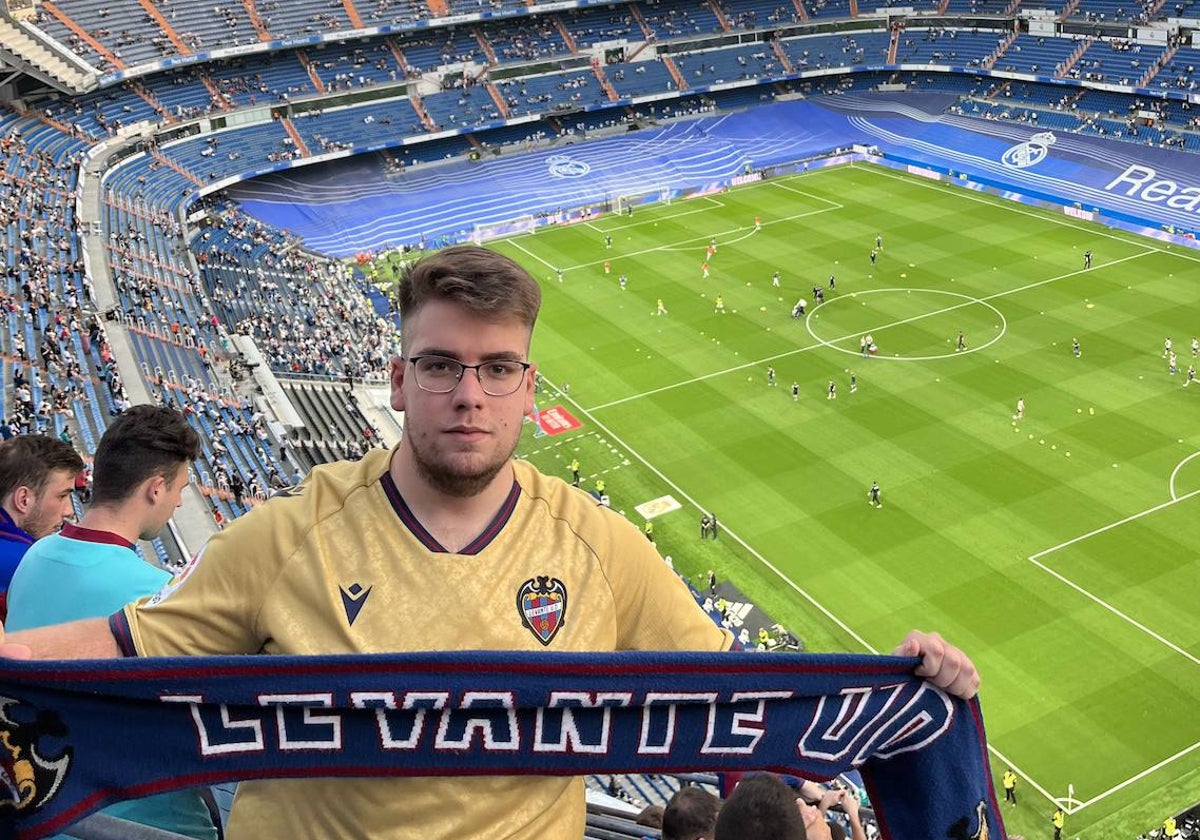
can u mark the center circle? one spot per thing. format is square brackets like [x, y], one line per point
[968, 300]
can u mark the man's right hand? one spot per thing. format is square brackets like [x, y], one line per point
[10, 650]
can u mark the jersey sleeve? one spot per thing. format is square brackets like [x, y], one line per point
[655, 608]
[212, 605]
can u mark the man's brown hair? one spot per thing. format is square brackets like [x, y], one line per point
[691, 814]
[481, 281]
[28, 460]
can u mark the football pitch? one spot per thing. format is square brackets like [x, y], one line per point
[1060, 548]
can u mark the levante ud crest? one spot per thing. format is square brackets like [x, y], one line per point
[29, 779]
[542, 604]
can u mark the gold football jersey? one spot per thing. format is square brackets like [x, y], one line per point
[340, 565]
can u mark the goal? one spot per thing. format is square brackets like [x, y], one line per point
[625, 204]
[494, 230]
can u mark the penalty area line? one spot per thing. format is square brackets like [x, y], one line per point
[1035, 560]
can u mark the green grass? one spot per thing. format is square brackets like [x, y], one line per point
[1075, 692]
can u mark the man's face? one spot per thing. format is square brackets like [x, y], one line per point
[51, 506]
[169, 498]
[460, 441]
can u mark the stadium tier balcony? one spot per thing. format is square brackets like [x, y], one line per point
[639, 78]
[1179, 73]
[571, 90]
[462, 108]
[821, 52]
[128, 34]
[955, 47]
[1045, 97]
[1036, 54]
[393, 12]
[991, 8]
[203, 27]
[1117, 62]
[1112, 11]
[735, 64]
[515, 41]
[350, 66]
[468, 7]
[827, 9]
[760, 14]
[379, 122]
[104, 112]
[677, 20]
[593, 25]
[425, 51]
[290, 19]
[182, 93]
[1058, 7]
[262, 80]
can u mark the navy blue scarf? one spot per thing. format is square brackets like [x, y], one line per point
[76, 736]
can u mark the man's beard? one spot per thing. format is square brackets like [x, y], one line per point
[454, 484]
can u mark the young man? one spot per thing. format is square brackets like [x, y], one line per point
[691, 814]
[873, 495]
[832, 391]
[1020, 415]
[623, 281]
[762, 806]
[445, 524]
[798, 309]
[1195, 347]
[704, 270]
[91, 570]
[795, 391]
[1191, 376]
[1166, 347]
[874, 255]
[775, 280]
[575, 472]
[719, 305]
[37, 476]
[662, 309]
[770, 376]
[961, 344]
[832, 281]
[1087, 259]
[1075, 348]
[853, 383]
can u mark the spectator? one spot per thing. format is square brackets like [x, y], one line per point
[448, 521]
[91, 570]
[691, 814]
[762, 807]
[37, 477]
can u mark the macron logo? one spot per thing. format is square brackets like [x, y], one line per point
[353, 600]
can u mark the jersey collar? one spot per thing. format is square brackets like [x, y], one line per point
[410, 521]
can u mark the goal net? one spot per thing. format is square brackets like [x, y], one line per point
[495, 230]
[625, 204]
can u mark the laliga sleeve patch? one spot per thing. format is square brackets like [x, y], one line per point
[180, 577]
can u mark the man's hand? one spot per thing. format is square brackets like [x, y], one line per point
[942, 663]
[8, 650]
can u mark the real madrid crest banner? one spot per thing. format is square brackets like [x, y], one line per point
[77, 736]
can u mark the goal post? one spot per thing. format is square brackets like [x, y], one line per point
[510, 227]
[625, 204]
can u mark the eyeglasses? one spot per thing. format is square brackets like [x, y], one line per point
[440, 375]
